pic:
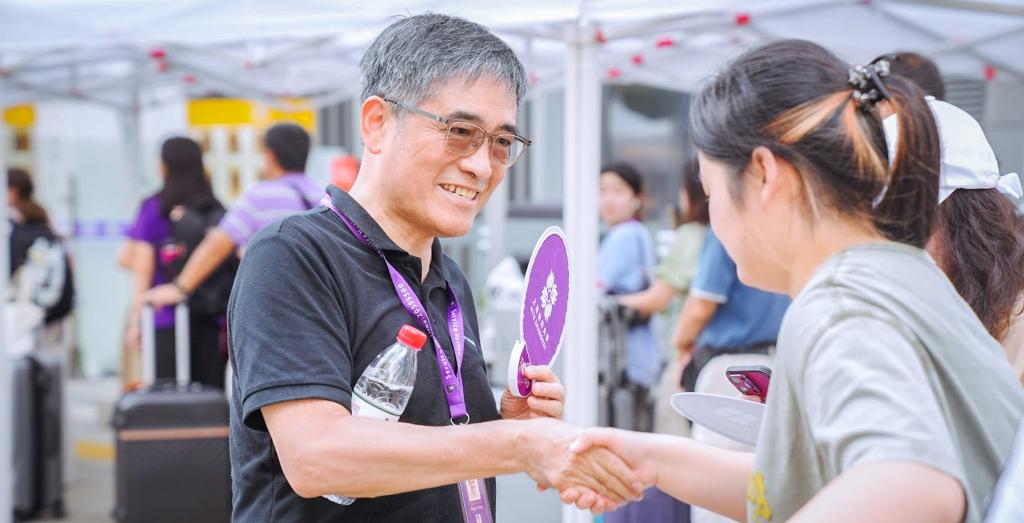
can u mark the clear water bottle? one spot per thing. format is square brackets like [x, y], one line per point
[383, 390]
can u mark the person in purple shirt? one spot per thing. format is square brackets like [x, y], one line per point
[148, 253]
[284, 191]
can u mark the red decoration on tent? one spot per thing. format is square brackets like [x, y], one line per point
[638, 59]
[162, 66]
[189, 79]
[157, 53]
[248, 64]
[662, 43]
[614, 73]
[866, 2]
[600, 37]
[990, 72]
[742, 19]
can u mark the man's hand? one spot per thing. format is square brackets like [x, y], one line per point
[628, 446]
[163, 295]
[547, 398]
[602, 477]
[684, 348]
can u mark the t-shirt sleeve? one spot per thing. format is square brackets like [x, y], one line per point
[867, 399]
[289, 333]
[716, 272]
[144, 228]
[679, 267]
[239, 222]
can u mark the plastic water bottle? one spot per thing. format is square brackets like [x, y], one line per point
[383, 391]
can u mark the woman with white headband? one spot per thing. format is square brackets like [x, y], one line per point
[978, 239]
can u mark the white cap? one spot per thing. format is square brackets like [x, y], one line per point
[967, 158]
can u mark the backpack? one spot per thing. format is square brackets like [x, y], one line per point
[44, 268]
[188, 228]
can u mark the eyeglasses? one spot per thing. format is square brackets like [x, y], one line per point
[463, 139]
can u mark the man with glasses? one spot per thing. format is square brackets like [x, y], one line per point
[318, 297]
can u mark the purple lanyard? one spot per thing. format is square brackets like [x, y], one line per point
[451, 379]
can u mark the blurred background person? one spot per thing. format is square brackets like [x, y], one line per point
[284, 190]
[40, 268]
[978, 239]
[152, 250]
[918, 69]
[723, 323]
[625, 263]
[672, 279]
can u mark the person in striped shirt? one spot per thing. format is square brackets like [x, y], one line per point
[284, 190]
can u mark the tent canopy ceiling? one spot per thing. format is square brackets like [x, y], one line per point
[108, 51]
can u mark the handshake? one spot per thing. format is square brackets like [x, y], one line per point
[597, 469]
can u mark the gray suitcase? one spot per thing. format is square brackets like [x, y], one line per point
[173, 464]
[38, 437]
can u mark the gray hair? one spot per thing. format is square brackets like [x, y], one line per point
[414, 55]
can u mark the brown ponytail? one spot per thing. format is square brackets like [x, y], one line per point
[907, 211]
[30, 210]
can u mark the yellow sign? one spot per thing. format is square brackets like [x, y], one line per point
[20, 116]
[220, 111]
[297, 113]
[229, 111]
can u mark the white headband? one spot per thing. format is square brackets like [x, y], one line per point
[967, 158]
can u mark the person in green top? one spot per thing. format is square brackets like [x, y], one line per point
[673, 276]
[889, 399]
[678, 268]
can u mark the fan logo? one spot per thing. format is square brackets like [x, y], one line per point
[549, 296]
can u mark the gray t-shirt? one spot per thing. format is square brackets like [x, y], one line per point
[879, 359]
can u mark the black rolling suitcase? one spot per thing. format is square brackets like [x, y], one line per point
[172, 443]
[38, 437]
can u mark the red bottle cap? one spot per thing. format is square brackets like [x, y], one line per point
[411, 337]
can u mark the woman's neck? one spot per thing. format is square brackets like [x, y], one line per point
[826, 240]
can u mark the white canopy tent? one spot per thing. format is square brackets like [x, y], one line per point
[111, 51]
[120, 53]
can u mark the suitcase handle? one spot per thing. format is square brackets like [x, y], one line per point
[182, 355]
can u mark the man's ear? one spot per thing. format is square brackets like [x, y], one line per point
[373, 118]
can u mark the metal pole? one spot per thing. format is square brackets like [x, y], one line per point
[582, 162]
[6, 386]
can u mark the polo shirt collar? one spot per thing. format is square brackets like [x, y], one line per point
[355, 212]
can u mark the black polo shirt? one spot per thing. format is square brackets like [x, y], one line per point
[310, 309]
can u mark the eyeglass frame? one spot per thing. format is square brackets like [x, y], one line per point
[447, 123]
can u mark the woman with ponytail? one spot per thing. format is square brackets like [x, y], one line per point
[889, 399]
[151, 249]
[32, 238]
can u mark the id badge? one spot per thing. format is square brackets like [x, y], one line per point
[476, 508]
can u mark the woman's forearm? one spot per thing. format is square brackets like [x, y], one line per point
[143, 265]
[652, 300]
[702, 475]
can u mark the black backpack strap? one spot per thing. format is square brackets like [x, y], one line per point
[302, 196]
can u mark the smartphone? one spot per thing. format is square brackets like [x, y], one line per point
[750, 380]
